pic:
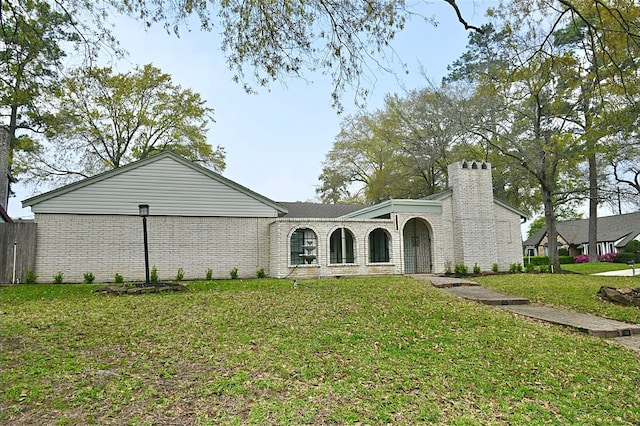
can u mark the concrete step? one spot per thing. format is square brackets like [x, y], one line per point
[590, 324]
[486, 296]
[448, 282]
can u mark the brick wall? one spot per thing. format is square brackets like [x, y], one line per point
[281, 230]
[108, 244]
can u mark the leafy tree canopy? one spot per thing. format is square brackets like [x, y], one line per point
[105, 120]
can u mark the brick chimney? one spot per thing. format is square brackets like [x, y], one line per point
[474, 224]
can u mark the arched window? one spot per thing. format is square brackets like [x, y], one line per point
[341, 246]
[378, 246]
[303, 247]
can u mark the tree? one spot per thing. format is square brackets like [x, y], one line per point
[31, 54]
[105, 120]
[400, 151]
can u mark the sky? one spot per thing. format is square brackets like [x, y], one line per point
[276, 140]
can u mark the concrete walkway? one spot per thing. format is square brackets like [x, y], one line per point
[619, 332]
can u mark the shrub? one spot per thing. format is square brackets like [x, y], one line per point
[632, 246]
[564, 260]
[57, 278]
[89, 278]
[563, 252]
[260, 273]
[583, 258]
[608, 257]
[544, 269]
[180, 274]
[153, 277]
[31, 277]
[460, 270]
[118, 279]
[209, 274]
[476, 268]
[495, 267]
[447, 266]
[537, 260]
[625, 257]
[529, 268]
[233, 273]
[515, 268]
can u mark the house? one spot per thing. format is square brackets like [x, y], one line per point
[200, 220]
[5, 177]
[614, 233]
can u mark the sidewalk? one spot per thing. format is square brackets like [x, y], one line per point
[619, 332]
[622, 273]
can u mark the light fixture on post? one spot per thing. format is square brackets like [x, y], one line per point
[143, 210]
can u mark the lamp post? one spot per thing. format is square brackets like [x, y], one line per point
[144, 212]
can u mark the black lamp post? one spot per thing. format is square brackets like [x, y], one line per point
[144, 212]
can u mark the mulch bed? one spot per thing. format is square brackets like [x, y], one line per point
[140, 288]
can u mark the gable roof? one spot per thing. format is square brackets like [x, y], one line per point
[620, 229]
[201, 183]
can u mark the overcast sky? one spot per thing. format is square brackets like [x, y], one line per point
[277, 140]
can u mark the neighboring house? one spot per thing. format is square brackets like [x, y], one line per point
[199, 220]
[614, 233]
[5, 176]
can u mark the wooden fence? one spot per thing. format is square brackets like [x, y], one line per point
[17, 241]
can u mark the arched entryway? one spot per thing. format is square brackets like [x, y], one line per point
[417, 247]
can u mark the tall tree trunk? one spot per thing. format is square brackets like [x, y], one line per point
[593, 208]
[552, 231]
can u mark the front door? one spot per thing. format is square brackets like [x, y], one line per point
[417, 247]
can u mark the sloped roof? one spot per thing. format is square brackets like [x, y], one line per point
[200, 171]
[442, 195]
[624, 227]
[317, 210]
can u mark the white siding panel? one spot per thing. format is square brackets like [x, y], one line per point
[170, 189]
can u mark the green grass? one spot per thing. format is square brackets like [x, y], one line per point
[574, 292]
[594, 267]
[351, 351]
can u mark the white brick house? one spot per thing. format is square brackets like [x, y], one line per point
[199, 220]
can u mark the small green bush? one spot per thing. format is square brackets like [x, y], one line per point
[118, 279]
[31, 277]
[624, 257]
[529, 268]
[260, 273]
[209, 274]
[537, 260]
[448, 265]
[153, 277]
[89, 278]
[563, 252]
[564, 260]
[515, 268]
[495, 267]
[476, 268]
[180, 274]
[58, 278]
[460, 270]
[233, 273]
[544, 269]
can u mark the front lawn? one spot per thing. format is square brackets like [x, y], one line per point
[350, 351]
[593, 267]
[574, 292]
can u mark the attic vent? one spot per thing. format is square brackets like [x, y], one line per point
[464, 165]
[484, 166]
[474, 165]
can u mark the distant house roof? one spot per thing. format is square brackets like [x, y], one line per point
[317, 210]
[620, 229]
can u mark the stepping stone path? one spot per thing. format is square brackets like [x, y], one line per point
[619, 332]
